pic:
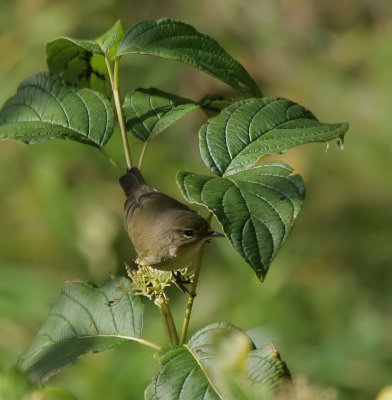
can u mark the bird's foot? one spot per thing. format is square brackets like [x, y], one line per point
[180, 280]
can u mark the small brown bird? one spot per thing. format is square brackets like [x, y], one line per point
[166, 234]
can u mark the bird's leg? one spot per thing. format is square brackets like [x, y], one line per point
[180, 281]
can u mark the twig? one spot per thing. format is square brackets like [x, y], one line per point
[142, 154]
[167, 320]
[114, 80]
[192, 294]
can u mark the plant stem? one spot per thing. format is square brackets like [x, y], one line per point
[170, 321]
[166, 327]
[114, 80]
[142, 154]
[167, 320]
[110, 159]
[192, 296]
[148, 344]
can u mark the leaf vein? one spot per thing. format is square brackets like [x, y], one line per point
[100, 291]
[57, 315]
[83, 307]
[88, 113]
[50, 94]
[250, 214]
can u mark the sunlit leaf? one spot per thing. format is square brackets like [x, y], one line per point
[172, 39]
[109, 41]
[149, 111]
[256, 208]
[253, 128]
[78, 62]
[45, 108]
[197, 370]
[84, 318]
[82, 62]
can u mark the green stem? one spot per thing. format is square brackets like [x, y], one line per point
[192, 293]
[167, 321]
[192, 296]
[110, 159]
[148, 344]
[166, 327]
[114, 80]
[171, 323]
[142, 154]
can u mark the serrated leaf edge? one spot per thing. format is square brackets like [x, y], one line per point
[72, 90]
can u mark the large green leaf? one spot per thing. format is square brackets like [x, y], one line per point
[84, 318]
[82, 62]
[149, 111]
[45, 108]
[256, 208]
[196, 371]
[176, 40]
[181, 377]
[253, 128]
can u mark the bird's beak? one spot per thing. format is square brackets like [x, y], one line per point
[215, 234]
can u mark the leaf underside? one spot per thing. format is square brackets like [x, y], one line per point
[173, 39]
[256, 208]
[82, 320]
[78, 62]
[82, 62]
[45, 108]
[249, 129]
[150, 111]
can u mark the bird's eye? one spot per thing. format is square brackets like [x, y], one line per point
[188, 233]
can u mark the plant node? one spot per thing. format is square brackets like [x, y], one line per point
[151, 282]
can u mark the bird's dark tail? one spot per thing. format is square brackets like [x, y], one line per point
[131, 181]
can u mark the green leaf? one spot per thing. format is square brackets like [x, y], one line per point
[253, 128]
[229, 343]
[181, 377]
[109, 41]
[266, 367]
[176, 40]
[256, 208]
[149, 111]
[82, 62]
[213, 104]
[45, 108]
[84, 318]
[78, 62]
[198, 370]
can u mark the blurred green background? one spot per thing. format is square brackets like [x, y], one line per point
[327, 300]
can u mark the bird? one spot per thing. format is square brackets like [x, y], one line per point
[165, 233]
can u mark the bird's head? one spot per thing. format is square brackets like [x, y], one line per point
[187, 228]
